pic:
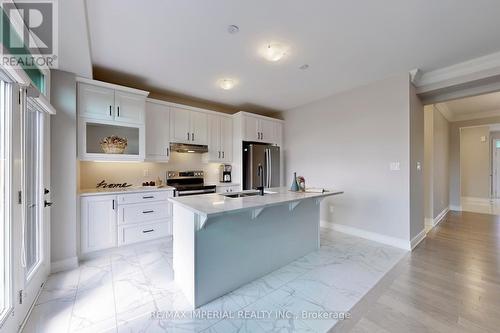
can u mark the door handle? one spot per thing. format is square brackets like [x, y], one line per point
[46, 191]
[47, 203]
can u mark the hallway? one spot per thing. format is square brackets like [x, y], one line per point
[449, 283]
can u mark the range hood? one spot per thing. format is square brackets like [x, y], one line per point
[188, 148]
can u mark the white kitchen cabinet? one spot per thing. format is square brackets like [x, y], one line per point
[98, 223]
[188, 126]
[220, 139]
[129, 108]
[199, 128]
[157, 132]
[259, 129]
[180, 125]
[96, 102]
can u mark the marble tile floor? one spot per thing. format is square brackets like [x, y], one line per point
[121, 291]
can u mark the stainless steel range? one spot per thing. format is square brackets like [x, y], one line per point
[188, 183]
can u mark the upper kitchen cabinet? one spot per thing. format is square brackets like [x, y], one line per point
[220, 138]
[259, 129]
[157, 131]
[104, 101]
[187, 126]
[106, 110]
[96, 102]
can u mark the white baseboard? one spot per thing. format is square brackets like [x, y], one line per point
[476, 200]
[417, 239]
[392, 241]
[429, 222]
[64, 265]
[457, 208]
[440, 216]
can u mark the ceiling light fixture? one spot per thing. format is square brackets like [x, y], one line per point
[233, 29]
[274, 51]
[227, 84]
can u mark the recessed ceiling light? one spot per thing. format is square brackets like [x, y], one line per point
[227, 84]
[233, 29]
[274, 51]
[304, 66]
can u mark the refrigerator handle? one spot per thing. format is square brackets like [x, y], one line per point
[268, 167]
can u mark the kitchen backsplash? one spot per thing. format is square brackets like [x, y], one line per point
[92, 173]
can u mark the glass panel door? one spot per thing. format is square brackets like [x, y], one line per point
[33, 188]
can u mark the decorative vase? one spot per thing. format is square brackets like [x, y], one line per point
[295, 185]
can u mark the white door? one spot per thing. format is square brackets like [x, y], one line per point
[180, 129]
[226, 139]
[98, 222]
[251, 128]
[129, 108]
[28, 248]
[214, 138]
[267, 131]
[157, 132]
[96, 102]
[199, 128]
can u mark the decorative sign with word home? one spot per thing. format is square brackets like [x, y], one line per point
[103, 184]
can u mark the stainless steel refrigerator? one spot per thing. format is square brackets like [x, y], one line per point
[266, 156]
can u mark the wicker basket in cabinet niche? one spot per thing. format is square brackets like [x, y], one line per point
[113, 144]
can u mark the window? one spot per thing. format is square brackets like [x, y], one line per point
[5, 217]
[497, 144]
[33, 127]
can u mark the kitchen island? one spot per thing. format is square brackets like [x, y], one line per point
[223, 241]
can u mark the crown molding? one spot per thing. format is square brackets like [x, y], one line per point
[467, 71]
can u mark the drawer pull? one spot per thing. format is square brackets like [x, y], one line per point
[147, 211]
[146, 231]
[148, 197]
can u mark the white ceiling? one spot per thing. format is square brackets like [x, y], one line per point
[482, 106]
[183, 46]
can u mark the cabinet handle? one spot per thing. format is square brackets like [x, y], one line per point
[168, 151]
[192, 136]
[146, 231]
[223, 154]
[148, 211]
[110, 110]
[262, 135]
[113, 204]
[148, 197]
[118, 110]
[188, 136]
[219, 153]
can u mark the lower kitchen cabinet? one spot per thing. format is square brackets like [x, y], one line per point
[98, 222]
[108, 221]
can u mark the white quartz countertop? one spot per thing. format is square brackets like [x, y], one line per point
[132, 189]
[209, 205]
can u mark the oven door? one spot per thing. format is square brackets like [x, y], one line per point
[184, 193]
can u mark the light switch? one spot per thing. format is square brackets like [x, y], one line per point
[394, 166]
[483, 138]
[419, 166]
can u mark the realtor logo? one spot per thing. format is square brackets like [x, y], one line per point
[29, 33]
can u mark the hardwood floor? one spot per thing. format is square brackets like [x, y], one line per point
[449, 283]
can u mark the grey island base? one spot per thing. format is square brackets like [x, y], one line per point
[221, 243]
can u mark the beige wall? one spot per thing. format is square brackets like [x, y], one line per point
[417, 219]
[93, 172]
[475, 162]
[455, 154]
[347, 141]
[437, 176]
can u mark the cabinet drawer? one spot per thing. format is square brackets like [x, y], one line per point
[143, 212]
[143, 232]
[144, 197]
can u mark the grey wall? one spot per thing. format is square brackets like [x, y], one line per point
[428, 161]
[347, 141]
[455, 154]
[417, 220]
[63, 166]
[475, 162]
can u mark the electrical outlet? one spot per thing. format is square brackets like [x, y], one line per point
[145, 172]
[394, 166]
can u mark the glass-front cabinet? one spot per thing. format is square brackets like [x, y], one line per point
[111, 124]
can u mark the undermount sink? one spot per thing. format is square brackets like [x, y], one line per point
[241, 194]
